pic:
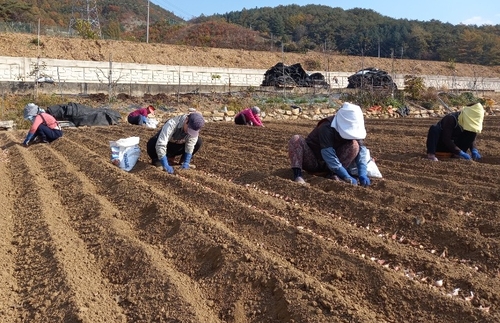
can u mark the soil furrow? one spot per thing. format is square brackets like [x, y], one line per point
[53, 268]
[327, 226]
[198, 195]
[298, 248]
[463, 244]
[8, 283]
[156, 215]
[236, 240]
[123, 260]
[469, 246]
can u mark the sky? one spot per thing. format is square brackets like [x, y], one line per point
[476, 12]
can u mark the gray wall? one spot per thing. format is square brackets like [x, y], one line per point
[18, 75]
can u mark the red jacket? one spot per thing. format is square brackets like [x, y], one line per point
[250, 117]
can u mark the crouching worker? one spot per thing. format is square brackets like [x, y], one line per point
[140, 116]
[179, 136]
[456, 133]
[249, 117]
[335, 143]
[44, 127]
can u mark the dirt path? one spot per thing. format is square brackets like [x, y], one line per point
[235, 240]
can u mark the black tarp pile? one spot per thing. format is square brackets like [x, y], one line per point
[82, 115]
[371, 78]
[291, 76]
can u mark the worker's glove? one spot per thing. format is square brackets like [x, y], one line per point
[29, 136]
[164, 162]
[187, 160]
[351, 180]
[364, 180]
[363, 174]
[464, 155]
[344, 175]
[475, 154]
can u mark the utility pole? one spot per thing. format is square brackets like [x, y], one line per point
[392, 72]
[37, 75]
[327, 64]
[147, 26]
[362, 66]
[284, 78]
[379, 47]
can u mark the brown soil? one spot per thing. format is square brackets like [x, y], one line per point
[24, 45]
[235, 240]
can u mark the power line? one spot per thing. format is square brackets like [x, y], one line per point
[85, 10]
[169, 6]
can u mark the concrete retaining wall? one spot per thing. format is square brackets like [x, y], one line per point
[18, 74]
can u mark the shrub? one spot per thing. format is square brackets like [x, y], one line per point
[414, 86]
[430, 95]
[394, 102]
[36, 42]
[369, 98]
[464, 99]
[84, 29]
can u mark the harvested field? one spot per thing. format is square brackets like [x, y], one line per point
[235, 240]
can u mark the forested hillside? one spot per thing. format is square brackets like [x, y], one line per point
[118, 19]
[366, 32]
[291, 28]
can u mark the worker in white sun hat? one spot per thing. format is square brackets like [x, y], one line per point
[332, 146]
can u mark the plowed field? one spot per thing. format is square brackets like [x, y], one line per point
[235, 240]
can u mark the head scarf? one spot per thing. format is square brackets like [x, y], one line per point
[349, 122]
[471, 118]
[255, 110]
[30, 111]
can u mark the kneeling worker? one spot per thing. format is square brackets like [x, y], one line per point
[179, 136]
[456, 133]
